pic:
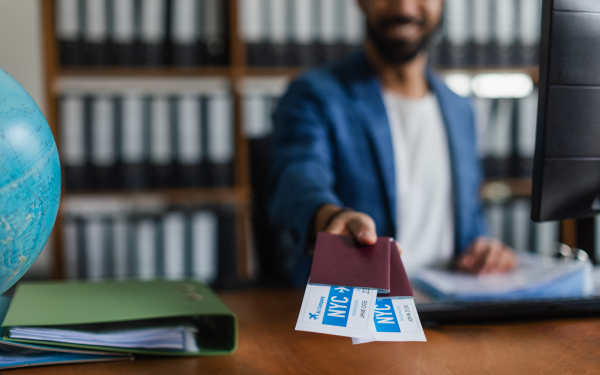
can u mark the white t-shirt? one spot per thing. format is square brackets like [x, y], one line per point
[424, 208]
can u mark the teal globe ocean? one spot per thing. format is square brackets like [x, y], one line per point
[29, 181]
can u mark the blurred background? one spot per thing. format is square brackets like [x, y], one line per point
[162, 113]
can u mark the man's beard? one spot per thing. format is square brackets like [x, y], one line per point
[397, 51]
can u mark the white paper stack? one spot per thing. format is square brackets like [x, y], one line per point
[180, 338]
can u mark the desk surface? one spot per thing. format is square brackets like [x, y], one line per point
[268, 344]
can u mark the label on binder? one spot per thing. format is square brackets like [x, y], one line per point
[337, 310]
[394, 320]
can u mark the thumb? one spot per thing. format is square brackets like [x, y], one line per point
[398, 247]
[363, 230]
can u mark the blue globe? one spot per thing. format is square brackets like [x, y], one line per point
[29, 181]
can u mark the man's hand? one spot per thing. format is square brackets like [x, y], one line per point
[351, 223]
[486, 256]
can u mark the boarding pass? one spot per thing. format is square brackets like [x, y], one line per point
[337, 310]
[395, 319]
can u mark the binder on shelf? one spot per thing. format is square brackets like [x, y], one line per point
[505, 23]
[220, 141]
[123, 35]
[458, 33]
[276, 46]
[152, 33]
[133, 155]
[204, 229]
[354, 25]
[256, 123]
[482, 22]
[71, 240]
[215, 45]
[146, 241]
[303, 38]
[191, 168]
[97, 305]
[184, 21]
[68, 32]
[482, 108]
[529, 31]
[103, 141]
[330, 44]
[520, 225]
[73, 141]
[161, 155]
[497, 164]
[95, 245]
[545, 237]
[95, 35]
[174, 245]
[120, 248]
[252, 28]
[526, 125]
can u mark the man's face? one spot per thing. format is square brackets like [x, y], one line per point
[400, 29]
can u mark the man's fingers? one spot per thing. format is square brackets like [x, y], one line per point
[492, 260]
[508, 261]
[398, 247]
[471, 261]
[363, 229]
[337, 227]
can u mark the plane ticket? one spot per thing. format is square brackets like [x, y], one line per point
[395, 319]
[337, 310]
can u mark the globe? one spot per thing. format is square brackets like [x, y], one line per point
[29, 181]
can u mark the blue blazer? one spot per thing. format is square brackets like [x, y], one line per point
[332, 144]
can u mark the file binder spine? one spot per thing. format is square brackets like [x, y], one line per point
[123, 32]
[185, 51]
[505, 32]
[133, 168]
[68, 32]
[96, 32]
[73, 155]
[103, 158]
[215, 33]
[190, 151]
[530, 12]
[161, 156]
[482, 32]
[220, 150]
[458, 32]
[276, 47]
[252, 24]
[152, 32]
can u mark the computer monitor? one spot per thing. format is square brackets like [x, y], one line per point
[566, 174]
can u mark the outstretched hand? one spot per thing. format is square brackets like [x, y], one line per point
[335, 220]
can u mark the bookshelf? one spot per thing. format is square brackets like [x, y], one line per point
[236, 72]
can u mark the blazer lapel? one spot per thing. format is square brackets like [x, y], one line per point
[372, 115]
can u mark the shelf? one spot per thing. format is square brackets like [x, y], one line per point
[144, 71]
[191, 195]
[499, 190]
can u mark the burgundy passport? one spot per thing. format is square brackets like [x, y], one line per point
[341, 260]
[399, 284]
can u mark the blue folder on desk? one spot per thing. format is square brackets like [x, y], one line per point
[535, 278]
[14, 355]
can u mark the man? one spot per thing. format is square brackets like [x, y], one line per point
[377, 145]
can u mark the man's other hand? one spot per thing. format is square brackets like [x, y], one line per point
[487, 256]
[336, 220]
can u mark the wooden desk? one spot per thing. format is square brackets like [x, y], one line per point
[268, 344]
